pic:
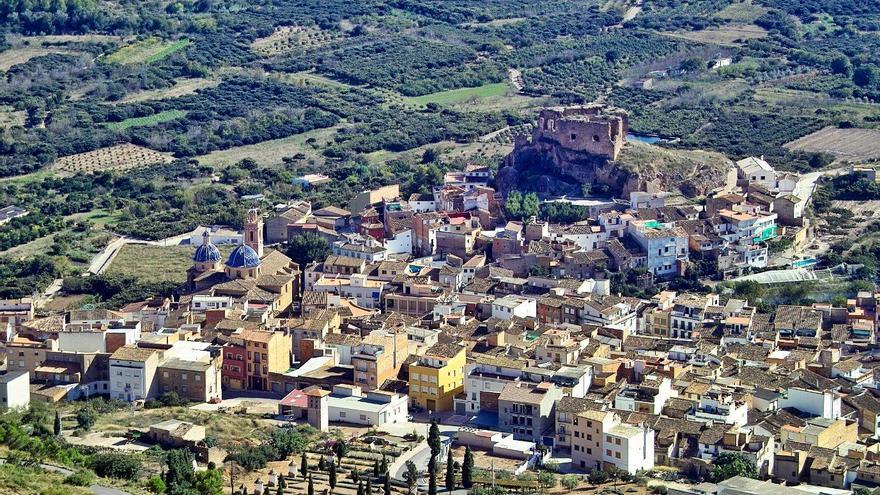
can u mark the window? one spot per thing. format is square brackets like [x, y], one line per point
[341, 414]
[596, 138]
[574, 137]
[617, 455]
[616, 441]
[608, 452]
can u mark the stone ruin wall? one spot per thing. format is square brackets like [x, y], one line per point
[582, 129]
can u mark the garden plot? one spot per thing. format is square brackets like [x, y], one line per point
[118, 157]
[845, 144]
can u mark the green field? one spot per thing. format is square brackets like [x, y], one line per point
[462, 94]
[741, 12]
[150, 263]
[147, 51]
[156, 118]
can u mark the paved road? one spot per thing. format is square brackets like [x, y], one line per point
[421, 453]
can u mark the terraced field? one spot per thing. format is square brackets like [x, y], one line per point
[182, 87]
[288, 38]
[730, 35]
[118, 157]
[845, 144]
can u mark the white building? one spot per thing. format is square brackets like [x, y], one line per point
[422, 203]
[717, 406]
[825, 403]
[202, 302]
[89, 338]
[133, 373]
[400, 243]
[484, 379]
[756, 171]
[15, 390]
[507, 307]
[347, 404]
[629, 448]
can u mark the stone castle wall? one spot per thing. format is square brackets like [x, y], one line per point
[583, 129]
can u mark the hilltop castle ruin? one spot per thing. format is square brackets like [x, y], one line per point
[593, 129]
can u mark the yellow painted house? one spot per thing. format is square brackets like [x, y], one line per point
[437, 377]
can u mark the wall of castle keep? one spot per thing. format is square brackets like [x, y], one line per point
[583, 129]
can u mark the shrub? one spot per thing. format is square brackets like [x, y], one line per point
[156, 485]
[117, 465]
[80, 478]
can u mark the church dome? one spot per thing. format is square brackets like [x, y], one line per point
[243, 256]
[207, 252]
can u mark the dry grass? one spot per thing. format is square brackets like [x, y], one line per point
[287, 38]
[845, 144]
[268, 153]
[182, 87]
[227, 428]
[118, 157]
[15, 56]
[732, 35]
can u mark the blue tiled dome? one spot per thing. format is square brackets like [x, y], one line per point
[207, 253]
[243, 256]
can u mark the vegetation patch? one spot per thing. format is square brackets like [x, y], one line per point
[147, 51]
[154, 119]
[118, 157]
[22, 480]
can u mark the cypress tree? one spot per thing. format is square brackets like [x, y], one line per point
[57, 426]
[432, 483]
[386, 485]
[311, 490]
[467, 468]
[369, 489]
[376, 468]
[450, 472]
[304, 465]
[332, 474]
[360, 489]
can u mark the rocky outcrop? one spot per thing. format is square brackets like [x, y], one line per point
[546, 167]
